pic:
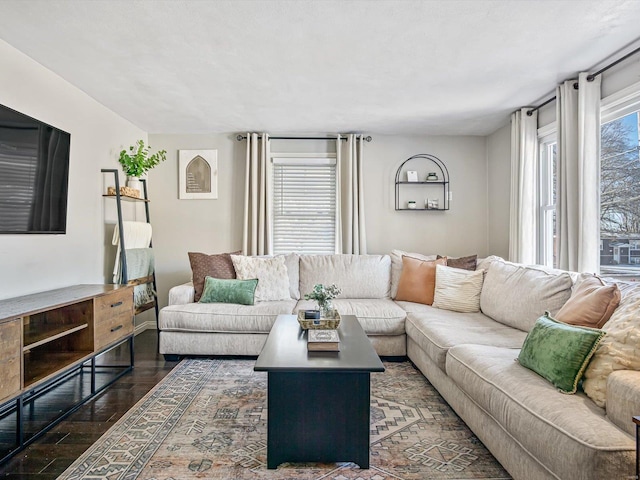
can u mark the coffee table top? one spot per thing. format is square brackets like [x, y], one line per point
[286, 349]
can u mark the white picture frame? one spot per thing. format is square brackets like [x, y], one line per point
[198, 174]
[412, 176]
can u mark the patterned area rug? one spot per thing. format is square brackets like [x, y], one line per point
[207, 419]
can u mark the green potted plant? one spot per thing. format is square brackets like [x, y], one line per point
[324, 294]
[136, 162]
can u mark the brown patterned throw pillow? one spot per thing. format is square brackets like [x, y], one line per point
[215, 266]
[465, 263]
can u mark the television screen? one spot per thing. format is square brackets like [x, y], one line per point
[34, 172]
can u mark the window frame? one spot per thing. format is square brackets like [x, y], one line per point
[547, 137]
[303, 159]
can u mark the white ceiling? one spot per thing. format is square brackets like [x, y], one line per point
[395, 67]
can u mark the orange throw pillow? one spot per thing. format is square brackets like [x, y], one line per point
[418, 280]
[591, 304]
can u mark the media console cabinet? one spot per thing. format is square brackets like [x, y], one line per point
[49, 338]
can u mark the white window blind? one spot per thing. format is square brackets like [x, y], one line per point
[304, 205]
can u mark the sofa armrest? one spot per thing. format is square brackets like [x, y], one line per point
[623, 398]
[181, 294]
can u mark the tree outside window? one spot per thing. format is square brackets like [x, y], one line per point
[620, 199]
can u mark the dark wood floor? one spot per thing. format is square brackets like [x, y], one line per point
[50, 455]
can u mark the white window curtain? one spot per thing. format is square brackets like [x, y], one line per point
[578, 215]
[257, 238]
[524, 181]
[351, 235]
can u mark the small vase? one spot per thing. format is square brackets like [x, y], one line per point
[135, 183]
[326, 310]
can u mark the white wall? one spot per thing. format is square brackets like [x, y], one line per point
[213, 226]
[31, 263]
[459, 231]
[182, 226]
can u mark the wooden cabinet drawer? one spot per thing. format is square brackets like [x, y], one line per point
[113, 317]
[10, 357]
[118, 302]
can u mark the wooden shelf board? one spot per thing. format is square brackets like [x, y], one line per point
[36, 334]
[144, 308]
[434, 182]
[127, 198]
[37, 369]
[422, 209]
[141, 281]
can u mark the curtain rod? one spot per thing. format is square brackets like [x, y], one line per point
[590, 78]
[244, 137]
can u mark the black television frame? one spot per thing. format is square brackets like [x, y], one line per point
[59, 185]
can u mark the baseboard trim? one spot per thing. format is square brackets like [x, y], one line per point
[148, 325]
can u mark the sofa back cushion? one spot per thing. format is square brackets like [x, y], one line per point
[359, 276]
[517, 295]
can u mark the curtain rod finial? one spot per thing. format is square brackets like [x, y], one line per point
[240, 138]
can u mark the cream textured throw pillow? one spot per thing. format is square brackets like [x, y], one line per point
[618, 349]
[457, 289]
[273, 279]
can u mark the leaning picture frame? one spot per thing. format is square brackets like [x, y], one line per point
[198, 174]
[412, 176]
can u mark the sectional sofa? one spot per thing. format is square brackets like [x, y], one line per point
[533, 430]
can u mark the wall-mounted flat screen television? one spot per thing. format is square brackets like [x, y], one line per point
[34, 173]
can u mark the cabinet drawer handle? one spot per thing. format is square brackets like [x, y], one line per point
[116, 304]
[115, 329]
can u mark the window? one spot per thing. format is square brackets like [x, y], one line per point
[620, 188]
[620, 197]
[304, 205]
[547, 254]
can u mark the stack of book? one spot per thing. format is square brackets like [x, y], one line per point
[323, 341]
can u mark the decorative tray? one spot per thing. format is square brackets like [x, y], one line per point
[319, 323]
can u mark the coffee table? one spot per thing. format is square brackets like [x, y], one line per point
[317, 402]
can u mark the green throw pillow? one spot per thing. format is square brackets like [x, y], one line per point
[218, 290]
[559, 352]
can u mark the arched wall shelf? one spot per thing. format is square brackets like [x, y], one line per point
[433, 195]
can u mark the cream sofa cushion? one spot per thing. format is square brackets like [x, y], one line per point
[618, 349]
[517, 295]
[223, 317]
[358, 276]
[377, 316]
[567, 433]
[436, 330]
[623, 398]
